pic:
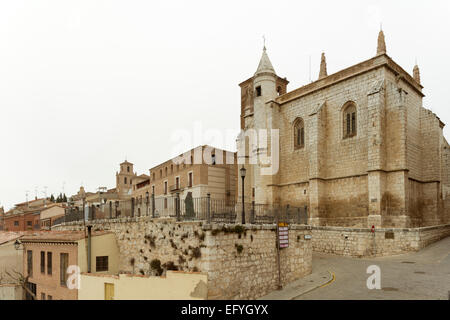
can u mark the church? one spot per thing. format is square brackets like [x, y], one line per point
[356, 147]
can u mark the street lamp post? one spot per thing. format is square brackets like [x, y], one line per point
[243, 171]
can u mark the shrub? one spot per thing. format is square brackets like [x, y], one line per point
[155, 264]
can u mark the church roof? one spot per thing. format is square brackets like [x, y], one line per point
[264, 64]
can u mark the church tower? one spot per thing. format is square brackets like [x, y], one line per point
[259, 115]
[124, 178]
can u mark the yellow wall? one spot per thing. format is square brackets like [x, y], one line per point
[175, 286]
[10, 258]
[51, 212]
[10, 292]
[103, 245]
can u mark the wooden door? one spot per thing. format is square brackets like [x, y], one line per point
[109, 291]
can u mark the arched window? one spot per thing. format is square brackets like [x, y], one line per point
[349, 119]
[299, 133]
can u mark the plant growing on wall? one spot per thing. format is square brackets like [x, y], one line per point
[239, 248]
[155, 264]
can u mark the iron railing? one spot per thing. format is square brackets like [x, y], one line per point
[188, 209]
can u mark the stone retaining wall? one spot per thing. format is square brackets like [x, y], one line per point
[241, 263]
[362, 242]
[244, 265]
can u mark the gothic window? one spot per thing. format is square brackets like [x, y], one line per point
[125, 180]
[349, 119]
[299, 134]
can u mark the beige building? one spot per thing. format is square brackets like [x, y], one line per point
[11, 259]
[49, 214]
[51, 258]
[356, 147]
[200, 171]
[175, 285]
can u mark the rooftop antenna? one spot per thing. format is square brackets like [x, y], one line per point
[26, 197]
[45, 196]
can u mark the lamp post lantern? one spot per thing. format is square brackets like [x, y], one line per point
[17, 244]
[243, 171]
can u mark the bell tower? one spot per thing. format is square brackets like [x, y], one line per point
[259, 117]
[124, 178]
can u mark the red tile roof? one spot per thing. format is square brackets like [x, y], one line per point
[52, 236]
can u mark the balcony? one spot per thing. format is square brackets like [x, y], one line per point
[174, 188]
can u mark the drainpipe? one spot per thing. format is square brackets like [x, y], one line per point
[89, 249]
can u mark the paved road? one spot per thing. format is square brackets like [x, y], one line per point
[419, 275]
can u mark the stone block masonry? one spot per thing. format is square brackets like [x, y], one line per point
[240, 262]
[363, 242]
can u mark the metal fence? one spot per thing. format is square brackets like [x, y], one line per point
[188, 209]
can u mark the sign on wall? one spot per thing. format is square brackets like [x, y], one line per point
[283, 235]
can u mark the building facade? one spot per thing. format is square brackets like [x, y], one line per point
[356, 147]
[200, 171]
[51, 258]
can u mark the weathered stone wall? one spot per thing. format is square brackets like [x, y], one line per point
[244, 265]
[383, 242]
[143, 239]
[241, 263]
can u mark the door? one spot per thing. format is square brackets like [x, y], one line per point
[109, 291]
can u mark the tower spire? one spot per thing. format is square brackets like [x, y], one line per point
[416, 73]
[264, 64]
[381, 49]
[323, 67]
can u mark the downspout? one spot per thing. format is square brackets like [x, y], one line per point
[89, 244]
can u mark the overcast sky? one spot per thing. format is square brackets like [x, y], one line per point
[84, 84]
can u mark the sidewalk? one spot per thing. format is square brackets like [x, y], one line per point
[300, 287]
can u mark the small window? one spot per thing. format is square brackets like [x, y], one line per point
[165, 187]
[190, 179]
[165, 171]
[42, 296]
[131, 181]
[160, 173]
[153, 176]
[350, 118]
[213, 159]
[101, 264]
[128, 168]
[153, 189]
[125, 180]
[30, 263]
[50, 262]
[171, 168]
[177, 183]
[43, 262]
[258, 91]
[16, 223]
[253, 192]
[49, 297]
[299, 134]
[165, 203]
[63, 265]
[29, 223]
